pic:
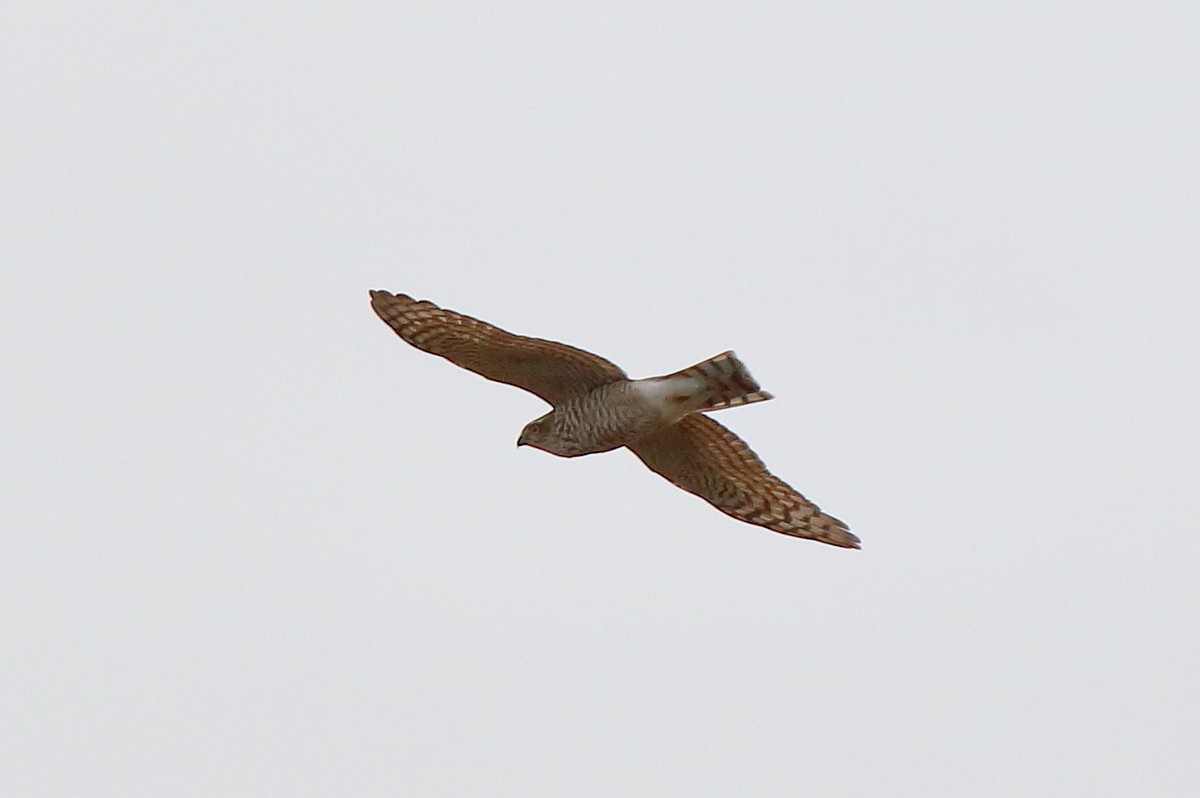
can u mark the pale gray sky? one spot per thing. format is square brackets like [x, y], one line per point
[253, 544]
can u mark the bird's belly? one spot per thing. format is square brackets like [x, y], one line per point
[608, 419]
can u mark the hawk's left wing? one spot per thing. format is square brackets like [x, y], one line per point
[551, 370]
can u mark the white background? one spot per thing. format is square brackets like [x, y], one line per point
[254, 544]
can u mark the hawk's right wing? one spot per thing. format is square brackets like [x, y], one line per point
[701, 456]
[551, 370]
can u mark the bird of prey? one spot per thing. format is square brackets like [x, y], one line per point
[596, 407]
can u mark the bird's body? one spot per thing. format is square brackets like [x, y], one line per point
[597, 408]
[623, 412]
[600, 420]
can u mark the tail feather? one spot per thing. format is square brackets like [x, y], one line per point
[725, 381]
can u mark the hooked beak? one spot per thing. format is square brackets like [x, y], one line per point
[521, 441]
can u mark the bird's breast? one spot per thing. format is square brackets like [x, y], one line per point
[610, 416]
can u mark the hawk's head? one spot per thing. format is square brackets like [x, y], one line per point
[547, 433]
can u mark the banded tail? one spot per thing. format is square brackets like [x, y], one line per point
[723, 381]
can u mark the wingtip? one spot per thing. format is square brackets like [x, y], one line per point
[381, 299]
[843, 538]
[380, 295]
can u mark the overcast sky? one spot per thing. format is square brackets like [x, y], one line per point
[254, 544]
